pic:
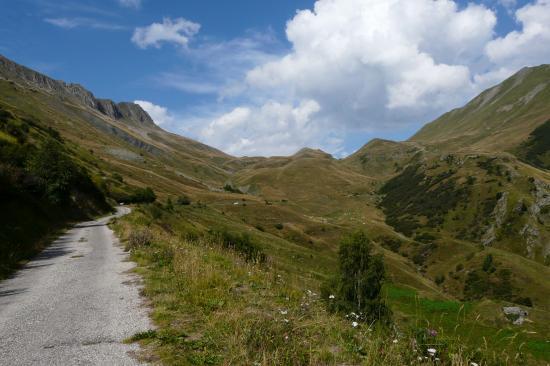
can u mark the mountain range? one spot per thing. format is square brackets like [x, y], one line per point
[475, 181]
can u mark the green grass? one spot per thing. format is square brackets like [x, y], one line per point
[213, 307]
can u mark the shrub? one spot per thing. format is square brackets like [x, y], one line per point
[439, 279]
[183, 200]
[392, 244]
[169, 205]
[241, 243]
[142, 195]
[488, 265]
[118, 177]
[230, 188]
[526, 301]
[139, 238]
[279, 226]
[358, 286]
[54, 172]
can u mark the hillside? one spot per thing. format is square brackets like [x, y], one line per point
[471, 185]
[497, 120]
[43, 186]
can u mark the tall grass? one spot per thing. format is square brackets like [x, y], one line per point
[212, 306]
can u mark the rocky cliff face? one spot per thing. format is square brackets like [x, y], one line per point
[125, 111]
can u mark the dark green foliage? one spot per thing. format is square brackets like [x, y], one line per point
[357, 288]
[41, 188]
[183, 200]
[425, 238]
[53, 171]
[413, 194]
[488, 265]
[490, 166]
[118, 177]
[536, 150]
[169, 205]
[241, 243]
[230, 188]
[423, 252]
[491, 283]
[279, 226]
[140, 195]
[526, 301]
[391, 244]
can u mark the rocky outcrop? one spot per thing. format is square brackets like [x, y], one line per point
[134, 112]
[127, 112]
[515, 314]
[498, 215]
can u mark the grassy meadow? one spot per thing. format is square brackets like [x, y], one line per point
[212, 307]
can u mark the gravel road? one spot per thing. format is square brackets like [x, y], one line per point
[73, 304]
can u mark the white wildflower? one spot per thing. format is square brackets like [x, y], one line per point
[331, 297]
[285, 320]
[395, 341]
[474, 364]
[432, 351]
[284, 312]
[354, 324]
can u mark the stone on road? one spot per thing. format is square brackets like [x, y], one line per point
[73, 304]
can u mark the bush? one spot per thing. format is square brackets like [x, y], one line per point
[139, 238]
[230, 188]
[357, 288]
[488, 265]
[279, 226]
[241, 243]
[118, 177]
[54, 172]
[391, 243]
[183, 200]
[143, 195]
[439, 279]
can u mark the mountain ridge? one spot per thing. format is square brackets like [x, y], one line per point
[13, 71]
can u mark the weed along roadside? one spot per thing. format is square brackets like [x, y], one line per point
[219, 298]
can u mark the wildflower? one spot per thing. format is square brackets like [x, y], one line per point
[474, 364]
[354, 324]
[432, 351]
[331, 297]
[395, 341]
[285, 320]
[419, 358]
[284, 312]
[432, 332]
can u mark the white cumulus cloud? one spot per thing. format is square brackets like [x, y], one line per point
[178, 31]
[272, 129]
[159, 114]
[370, 67]
[528, 46]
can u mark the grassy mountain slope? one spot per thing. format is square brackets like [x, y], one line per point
[497, 120]
[435, 206]
[43, 185]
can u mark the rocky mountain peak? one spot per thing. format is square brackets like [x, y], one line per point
[126, 111]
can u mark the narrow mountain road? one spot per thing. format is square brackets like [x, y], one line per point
[73, 304]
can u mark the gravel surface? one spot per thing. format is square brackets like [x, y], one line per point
[73, 304]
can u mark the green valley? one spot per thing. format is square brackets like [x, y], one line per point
[236, 253]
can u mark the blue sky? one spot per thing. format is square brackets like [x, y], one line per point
[254, 78]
